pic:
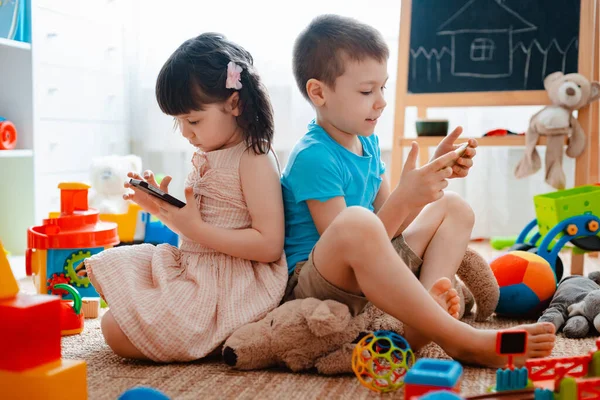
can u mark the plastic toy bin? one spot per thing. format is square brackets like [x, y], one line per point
[552, 208]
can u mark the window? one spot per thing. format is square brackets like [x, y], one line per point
[482, 49]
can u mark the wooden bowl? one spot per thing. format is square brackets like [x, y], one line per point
[432, 127]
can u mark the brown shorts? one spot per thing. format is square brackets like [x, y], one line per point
[307, 281]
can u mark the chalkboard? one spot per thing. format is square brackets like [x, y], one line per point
[490, 45]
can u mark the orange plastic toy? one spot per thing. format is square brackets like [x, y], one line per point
[57, 248]
[71, 316]
[8, 135]
[30, 363]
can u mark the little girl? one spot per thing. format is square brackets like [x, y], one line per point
[180, 304]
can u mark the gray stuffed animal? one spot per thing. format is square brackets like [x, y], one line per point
[575, 305]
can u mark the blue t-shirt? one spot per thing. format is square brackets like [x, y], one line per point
[319, 168]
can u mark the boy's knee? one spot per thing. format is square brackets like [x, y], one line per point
[457, 206]
[358, 224]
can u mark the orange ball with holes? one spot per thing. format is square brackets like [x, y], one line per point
[527, 284]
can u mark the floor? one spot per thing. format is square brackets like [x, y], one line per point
[109, 375]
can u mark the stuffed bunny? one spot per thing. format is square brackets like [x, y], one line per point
[575, 306]
[107, 175]
[568, 93]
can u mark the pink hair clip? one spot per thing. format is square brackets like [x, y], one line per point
[233, 76]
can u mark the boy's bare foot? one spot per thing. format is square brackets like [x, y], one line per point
[481, 346]
[446, 296]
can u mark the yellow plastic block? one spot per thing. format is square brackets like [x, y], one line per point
[126, 223]
[8, 284]
[64, 379]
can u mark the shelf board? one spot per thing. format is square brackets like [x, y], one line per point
[14, 44]
[16, 153]
[511, 140]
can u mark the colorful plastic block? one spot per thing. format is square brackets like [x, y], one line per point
[443, 395]
[63, 379]
[429, 375]
[30, 332]
[8, 284]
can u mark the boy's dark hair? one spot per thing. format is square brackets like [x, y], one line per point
[327, 42]
[195, 75]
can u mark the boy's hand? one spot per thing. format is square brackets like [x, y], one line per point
[465, 162]
[143, 199]
[186, 220]
[421, 186]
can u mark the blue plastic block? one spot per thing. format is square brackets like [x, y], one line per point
[433, 372]
[515, 379]
[143, 393]
[442, 395]
[543, 394]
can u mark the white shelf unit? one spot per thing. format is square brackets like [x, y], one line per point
[16, 166]
[15, 44]
[65, 93]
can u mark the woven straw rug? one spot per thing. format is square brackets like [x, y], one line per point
[109, 375]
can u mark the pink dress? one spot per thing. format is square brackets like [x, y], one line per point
[180, 304]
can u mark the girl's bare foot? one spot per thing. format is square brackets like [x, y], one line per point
[447, 297]
[481, 346]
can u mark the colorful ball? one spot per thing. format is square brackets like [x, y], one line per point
[381, 359]
[527, 284]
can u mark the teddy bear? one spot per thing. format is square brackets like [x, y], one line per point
[575, 306]
[305, 333]
[308, 333]
[107, 175]
[567, 93]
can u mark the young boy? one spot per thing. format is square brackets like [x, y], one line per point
[348, 236]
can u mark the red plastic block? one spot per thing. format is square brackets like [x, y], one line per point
[29, 331]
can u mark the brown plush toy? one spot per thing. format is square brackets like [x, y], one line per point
[310, 333]
[568, 93]
[303, 334]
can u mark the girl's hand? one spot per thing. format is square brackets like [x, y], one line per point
[465, 162]
[186, 220]
[143, 199]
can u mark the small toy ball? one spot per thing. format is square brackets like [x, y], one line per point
[381, 359]
[143, 393]
[527, 284]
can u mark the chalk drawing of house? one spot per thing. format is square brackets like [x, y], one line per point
[482, 38]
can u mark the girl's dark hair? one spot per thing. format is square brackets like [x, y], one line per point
[195, 75]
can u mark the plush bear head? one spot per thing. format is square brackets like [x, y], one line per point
[107, 176]
[302, 334]
[294, 335]
[571, 91]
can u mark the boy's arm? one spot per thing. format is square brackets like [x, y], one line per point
[317, 177]
[324, 212]
[395, 219]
